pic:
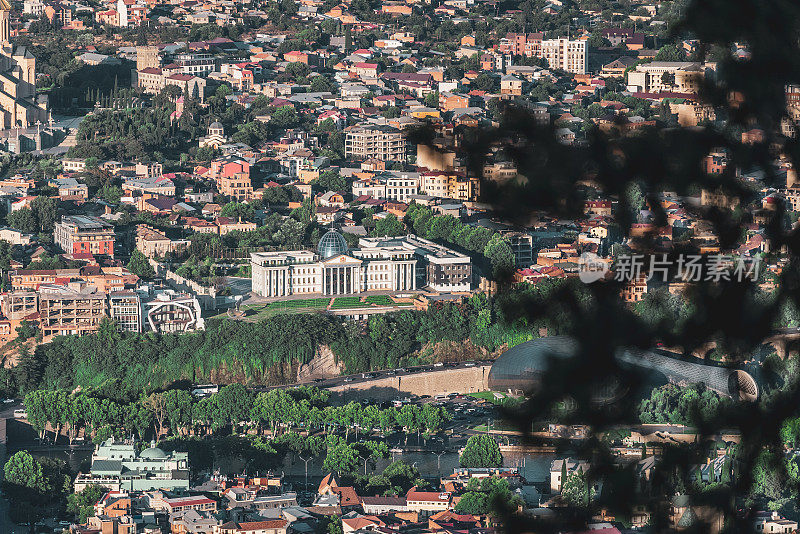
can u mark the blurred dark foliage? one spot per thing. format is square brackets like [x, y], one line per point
[750, 93]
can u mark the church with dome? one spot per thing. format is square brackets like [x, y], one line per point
[215, 136]
[378, 264]
[18, 101]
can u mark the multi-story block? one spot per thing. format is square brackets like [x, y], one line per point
[125, 308]
[75, 309]
[401, 186]
[147, 57]
[666, 76]
[565, 54]
[77, 234]
[385, 143]
[153, 243]
[196, 64]
[169, 311]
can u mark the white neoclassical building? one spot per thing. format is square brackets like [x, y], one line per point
[333, 269]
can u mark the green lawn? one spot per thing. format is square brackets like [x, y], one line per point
[340, 303]
[300, 303]
[380, 300]
[492, 396]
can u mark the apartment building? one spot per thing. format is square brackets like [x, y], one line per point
[73, 309]
[522, 44]
[385, 143]
[125, 307]
[666, 76]
[196, 64]
[401, 186]
[500, 171]
[15, 237]
[154, 243]
[77, 234]
[448, 185]
[169, 311]
[565, 54]
[232, 176]
[147, 57]
[369, 187]
[428, 502]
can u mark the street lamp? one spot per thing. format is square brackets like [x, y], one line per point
[438, 460]
[306, 462]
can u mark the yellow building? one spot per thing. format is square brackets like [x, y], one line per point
[17, 80]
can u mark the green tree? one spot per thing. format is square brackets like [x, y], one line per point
[331, 181]
[500, 256]
[342, 458]
[321, 84]
[23, 220]
[284, 117]
[481, 451]
[140, 266]
[388, 226]
[576, 491]
[25, 486]
[81, 504]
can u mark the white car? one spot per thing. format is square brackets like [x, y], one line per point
[20, 413]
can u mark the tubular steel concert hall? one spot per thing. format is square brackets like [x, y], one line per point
[521, 367]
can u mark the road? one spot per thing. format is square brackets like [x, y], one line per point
[325, 383]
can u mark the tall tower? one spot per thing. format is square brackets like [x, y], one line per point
[5, 23]
[122, 10]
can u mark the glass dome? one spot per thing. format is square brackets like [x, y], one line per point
[331, 244]
[522, 367]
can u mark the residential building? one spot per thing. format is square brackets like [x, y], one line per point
[666, 76]
[160, 502]
[382, 505]
[510, 85]
[557, 469]
[385, 143]
[84, 234]
[125, 308]
[70, 189]
[565, 54]
[74, 309]
[275, 526]
[147, 57]
[773, 523]
[401, 186]
[167, 311]
[154, 243]
[428, 502]
[15, 237]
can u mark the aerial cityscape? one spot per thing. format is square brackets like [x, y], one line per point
[399, 266]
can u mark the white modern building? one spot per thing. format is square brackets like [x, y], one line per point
[565, 54]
